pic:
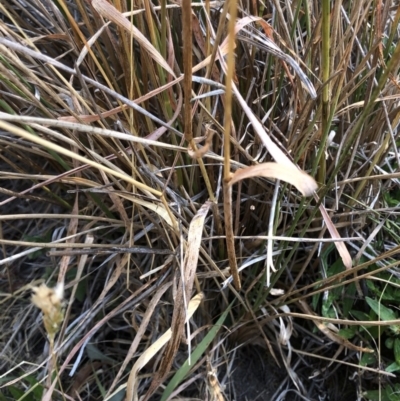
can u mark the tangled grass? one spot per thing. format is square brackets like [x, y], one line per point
[153, 162]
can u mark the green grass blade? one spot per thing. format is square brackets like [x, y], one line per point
[195, 356]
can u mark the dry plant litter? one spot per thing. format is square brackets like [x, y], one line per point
[215, 188]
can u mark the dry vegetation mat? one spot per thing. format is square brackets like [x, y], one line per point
[199, 200]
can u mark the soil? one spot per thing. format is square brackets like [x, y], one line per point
[255, 375]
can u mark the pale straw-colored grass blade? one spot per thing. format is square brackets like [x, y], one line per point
[133, 380]
[301, 180]
[107, 10]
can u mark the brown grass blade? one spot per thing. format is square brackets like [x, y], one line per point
[107, 10]
[300, 179]
[184, 291]
[268, 45]
[340, 246]
[24, 134]
[187, 68]
[139, 334]
[228, 125]
[133, 381]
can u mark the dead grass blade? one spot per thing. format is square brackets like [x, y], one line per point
[61, 123]
[273, 149]
[272, 48]
[123, 99]
[133, 381]
[107, 10]
[157, 207]
[184, 290]
[228, 123]
[138, 295]
[301, 180]
[139, 336]
[187, 68]
[329, 332]
[24, 134]
[311, 87]
[72, 229]
[340, 246]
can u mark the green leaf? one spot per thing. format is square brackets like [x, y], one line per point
[372, 287]
[80, 293]
[95, 354]
[360, 315]
[387, 394]
[392, 394]
[389, 342]
[327, 309]
[393, 367]
[36, 387]
[195, 356]
[382, 311]
[367, 359]
[15, 392]
[3, 397]
[348, 333]
[315, 298]
[396, 350]
[349, 298]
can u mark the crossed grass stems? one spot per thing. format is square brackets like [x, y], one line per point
[121, 172]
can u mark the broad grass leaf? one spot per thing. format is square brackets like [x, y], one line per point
[348, 333]
[367, 359]
[362, 316]
[301, 180]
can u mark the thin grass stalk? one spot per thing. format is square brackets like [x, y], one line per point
[156, 41]
[230, 241]
[271, 232]
[104, 56]
[340, 279]
[126, 44]
[392, 65]
[187, 83]
[187, 68]
[393, 32]
[325, 33]
[203, 89]
[78, 33]
[208, 52]
[163, 39]
[40, 141]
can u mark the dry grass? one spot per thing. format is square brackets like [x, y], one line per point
[134, 138]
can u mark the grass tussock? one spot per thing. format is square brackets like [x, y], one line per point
[211, 183]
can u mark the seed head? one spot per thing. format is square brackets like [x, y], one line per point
[50, 302]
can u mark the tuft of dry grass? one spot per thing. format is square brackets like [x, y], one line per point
[153, 161]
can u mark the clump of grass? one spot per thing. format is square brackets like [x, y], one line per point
[148, 171]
